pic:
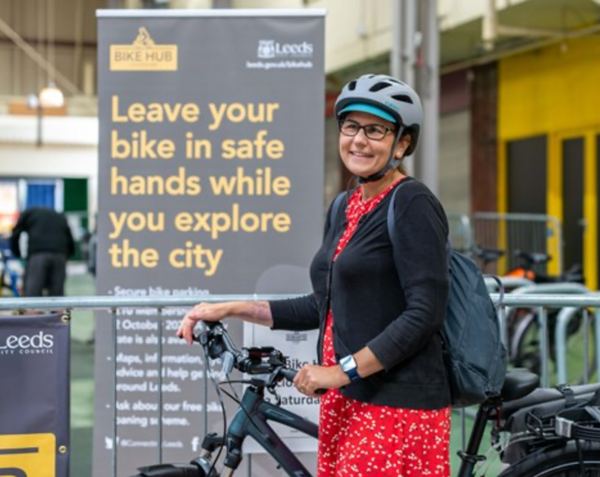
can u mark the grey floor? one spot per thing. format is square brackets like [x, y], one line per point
[82, 377]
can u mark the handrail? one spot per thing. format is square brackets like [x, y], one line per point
[109, 302]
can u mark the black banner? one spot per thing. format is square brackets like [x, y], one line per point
[34, 398]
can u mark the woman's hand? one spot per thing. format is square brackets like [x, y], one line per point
[312, 377]
[204, 312]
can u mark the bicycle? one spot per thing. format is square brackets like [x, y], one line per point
[532, 452]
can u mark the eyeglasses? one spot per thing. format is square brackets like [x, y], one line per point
[375, 132]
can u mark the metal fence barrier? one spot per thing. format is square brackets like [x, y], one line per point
[531, 233]
[461, 232]
[540, 302]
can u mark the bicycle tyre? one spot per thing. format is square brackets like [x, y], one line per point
[558, 462]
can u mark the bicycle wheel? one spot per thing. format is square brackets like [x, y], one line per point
[576, 352]
[558, 462]
[525, 344]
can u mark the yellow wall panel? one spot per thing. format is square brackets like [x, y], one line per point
[590, 211]
[551, 89]
[554, 203]
[555, 91]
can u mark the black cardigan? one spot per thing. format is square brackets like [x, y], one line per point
[392, 300]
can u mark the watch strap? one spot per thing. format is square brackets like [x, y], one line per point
[349, 367]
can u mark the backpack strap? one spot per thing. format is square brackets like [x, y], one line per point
[390, 222]
[337, 203]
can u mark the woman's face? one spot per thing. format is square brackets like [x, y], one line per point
[363, 156]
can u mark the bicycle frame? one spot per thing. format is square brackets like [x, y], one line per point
[251, 420]
[470, 456]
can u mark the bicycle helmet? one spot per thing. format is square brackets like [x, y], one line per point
[390, 99]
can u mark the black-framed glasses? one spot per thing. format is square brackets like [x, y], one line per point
[375, 132]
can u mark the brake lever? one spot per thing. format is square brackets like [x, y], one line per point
[272, 385]
[228, 362]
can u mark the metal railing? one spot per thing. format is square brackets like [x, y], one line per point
[531, 233]
[540, 302]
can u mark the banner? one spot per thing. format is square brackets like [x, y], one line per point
[34, 401]
[210, 182]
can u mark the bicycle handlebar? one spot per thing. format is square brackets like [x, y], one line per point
[248, 360]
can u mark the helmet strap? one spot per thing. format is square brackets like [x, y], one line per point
[392, 162]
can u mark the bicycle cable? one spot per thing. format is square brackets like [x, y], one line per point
[237, 400]
[223, 411]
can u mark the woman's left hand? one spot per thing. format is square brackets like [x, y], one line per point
[312, 377]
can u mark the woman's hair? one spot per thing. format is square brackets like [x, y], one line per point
[401, 169]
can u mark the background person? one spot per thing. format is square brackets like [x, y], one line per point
[49, 244]
[379, 308]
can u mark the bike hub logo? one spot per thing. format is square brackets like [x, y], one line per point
[39, 343]
[271, 49]
[28, 455]
[143, 55]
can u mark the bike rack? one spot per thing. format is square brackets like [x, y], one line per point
[507, 282]
[562, 322]
[545, 288]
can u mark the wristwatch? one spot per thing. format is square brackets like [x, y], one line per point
[349, 367]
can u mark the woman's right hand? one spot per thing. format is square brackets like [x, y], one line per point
[204, 312]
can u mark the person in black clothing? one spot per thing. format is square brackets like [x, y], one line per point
[379, 308]
[49, 244]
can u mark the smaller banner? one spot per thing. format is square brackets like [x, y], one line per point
[34, 400]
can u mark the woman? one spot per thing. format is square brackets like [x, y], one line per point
[379, 308]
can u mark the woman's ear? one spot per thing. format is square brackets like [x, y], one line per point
[402, 146]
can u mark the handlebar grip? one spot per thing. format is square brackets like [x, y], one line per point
[288, 374]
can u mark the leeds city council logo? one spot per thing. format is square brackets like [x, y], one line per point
[266, 48]
[143, 55]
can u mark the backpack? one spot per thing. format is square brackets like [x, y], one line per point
[474, 355]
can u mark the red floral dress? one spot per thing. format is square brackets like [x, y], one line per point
[357, 438]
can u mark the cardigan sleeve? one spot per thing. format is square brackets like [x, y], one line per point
[420, 256]
[297, 314]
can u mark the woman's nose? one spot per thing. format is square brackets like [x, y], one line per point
[361, 137]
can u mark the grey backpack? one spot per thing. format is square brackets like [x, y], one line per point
[474, 355]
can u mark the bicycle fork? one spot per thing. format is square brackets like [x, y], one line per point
[233, 457]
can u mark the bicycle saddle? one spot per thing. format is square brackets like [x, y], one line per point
[519, 383]
[533, 258]
[488, 254]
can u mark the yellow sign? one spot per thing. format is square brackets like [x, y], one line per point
[143, 55]
[28, 455]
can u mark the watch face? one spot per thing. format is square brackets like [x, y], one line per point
[347, 362]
